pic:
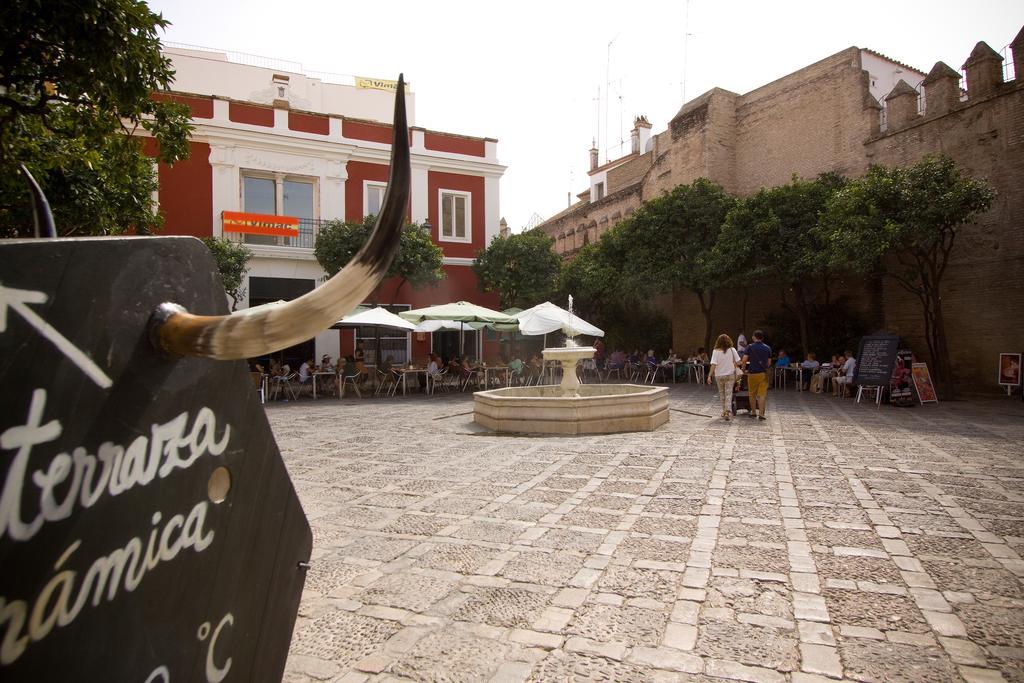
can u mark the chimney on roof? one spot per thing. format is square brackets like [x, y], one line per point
[941, 89]
[901, 105]
[280, 85]
[1017, 45]
[641, 134]
[502, 228]
[984, 70]
[593, 158]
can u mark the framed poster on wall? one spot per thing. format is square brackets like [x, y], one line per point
[1009, 371]
[923, 383]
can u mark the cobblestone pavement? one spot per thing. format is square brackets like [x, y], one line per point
[834, 541]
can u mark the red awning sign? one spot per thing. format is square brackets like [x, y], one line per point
[260, 224]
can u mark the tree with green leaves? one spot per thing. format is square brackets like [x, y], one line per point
[670, 240]
[76, 86]
[521, 268]
[232, 260]
[772, 237]
[418, 261]
[904, 222]
[606, 297]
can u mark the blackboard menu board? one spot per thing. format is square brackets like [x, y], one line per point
[875, 360]
[149, 531]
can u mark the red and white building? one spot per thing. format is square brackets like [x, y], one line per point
[272, 140]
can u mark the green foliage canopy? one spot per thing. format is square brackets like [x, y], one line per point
[418, 261]
[521, 268]
[76, 84]
[772, 236]
[232, 260]
[905, 222]
[669, 244]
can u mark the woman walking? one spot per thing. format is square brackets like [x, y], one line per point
[725, 364]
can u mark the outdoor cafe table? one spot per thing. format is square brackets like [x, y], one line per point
[321, 377]
[671, 366]
[798, 371]
[496, 369]
[405, 372]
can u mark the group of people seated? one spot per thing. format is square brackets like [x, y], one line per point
[466, 369]
[817, 377]
[621, 361]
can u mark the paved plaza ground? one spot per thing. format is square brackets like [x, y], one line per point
[834, 541]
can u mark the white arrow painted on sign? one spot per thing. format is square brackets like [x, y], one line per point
[18, 299]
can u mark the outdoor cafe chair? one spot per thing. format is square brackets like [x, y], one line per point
[613, 369]
[283, 384]
[387, 383]
[349, 380]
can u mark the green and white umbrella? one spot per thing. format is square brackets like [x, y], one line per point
[461, 312]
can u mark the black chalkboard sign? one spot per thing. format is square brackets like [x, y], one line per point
[148, 528]
[875, 360]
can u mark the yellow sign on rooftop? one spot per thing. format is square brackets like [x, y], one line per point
[377, 84]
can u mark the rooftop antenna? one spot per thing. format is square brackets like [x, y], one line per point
[607, 89]
[622, 141]
[686, 47]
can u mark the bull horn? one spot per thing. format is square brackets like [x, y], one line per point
[230, 337]
[41, 214]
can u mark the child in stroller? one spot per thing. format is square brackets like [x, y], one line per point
[741, 395]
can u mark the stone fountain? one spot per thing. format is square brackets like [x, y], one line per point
[572, 407]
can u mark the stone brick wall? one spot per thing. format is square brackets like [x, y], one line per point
[823, 118]
[983, 290]
[809, 122]
[629, 173]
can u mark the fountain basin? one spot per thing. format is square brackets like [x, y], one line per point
[596, 409]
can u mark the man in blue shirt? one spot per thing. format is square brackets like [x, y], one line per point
[757, 359]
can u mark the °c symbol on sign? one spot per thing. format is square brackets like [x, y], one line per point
[19, 299]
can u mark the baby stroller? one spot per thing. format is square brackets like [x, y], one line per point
[741, 395]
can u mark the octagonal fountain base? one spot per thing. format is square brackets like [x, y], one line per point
[597, 409]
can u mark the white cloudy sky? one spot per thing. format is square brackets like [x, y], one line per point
[528, 72]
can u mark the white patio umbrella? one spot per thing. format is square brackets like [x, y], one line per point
[380, 317]
[547, 317]
[377, 317]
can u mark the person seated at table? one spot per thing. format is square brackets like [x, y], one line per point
[388, 365]
[650, 359]
[306, 371]
[599, 354]
[810, 366]
[634, 357]
[782, 361]
[275, 368]
[433, 364]
[326, 364]
[845, 377]
[617, 360]
[515, 366]
[672, 357]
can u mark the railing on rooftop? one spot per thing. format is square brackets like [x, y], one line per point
[268, 63]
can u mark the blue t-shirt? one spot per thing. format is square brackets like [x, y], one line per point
[760, 355]
[782, 362]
